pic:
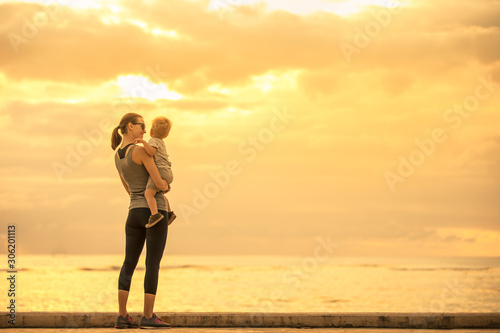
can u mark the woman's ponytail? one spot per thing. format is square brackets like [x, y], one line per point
[116, 138]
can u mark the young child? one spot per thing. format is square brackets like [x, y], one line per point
[157, 149]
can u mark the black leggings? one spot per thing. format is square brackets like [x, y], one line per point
[155, 237]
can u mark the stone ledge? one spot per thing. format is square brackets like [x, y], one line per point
[241, 319]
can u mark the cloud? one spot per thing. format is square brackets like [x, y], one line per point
[60, 98]
[231, 52]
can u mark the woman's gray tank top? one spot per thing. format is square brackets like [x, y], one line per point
[136, 176]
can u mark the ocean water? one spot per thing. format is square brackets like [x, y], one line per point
[264, 284]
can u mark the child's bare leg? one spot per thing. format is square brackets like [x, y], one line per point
[150, 197]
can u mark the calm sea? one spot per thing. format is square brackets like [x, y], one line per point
[264, 284]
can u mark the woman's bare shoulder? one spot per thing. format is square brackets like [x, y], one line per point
[139, 149]
[139, 154]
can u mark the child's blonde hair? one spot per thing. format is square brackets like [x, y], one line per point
[161, 127]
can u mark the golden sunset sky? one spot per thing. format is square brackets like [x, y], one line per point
[373, 125]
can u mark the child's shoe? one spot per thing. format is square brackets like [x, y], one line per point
[171, 217]
[153, 219]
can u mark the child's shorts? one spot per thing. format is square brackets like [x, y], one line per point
[166, 174]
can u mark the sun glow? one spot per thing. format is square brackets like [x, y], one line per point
[274, 80]
[341, 8]
[155, 30]
[349, 7]
[218, 89]
[137, 86]
[82, 4]
[346, 8]
[170, 33]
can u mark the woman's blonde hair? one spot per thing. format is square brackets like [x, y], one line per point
[161, 127]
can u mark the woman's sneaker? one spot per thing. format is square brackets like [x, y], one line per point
[153, 322]
[171, 217]
[125, 322]
[153, 219]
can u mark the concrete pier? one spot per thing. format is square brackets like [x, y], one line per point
[253, 330]
[264, 320]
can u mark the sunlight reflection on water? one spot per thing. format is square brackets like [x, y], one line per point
[264, 284]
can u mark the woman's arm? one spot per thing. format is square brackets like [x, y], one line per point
[150, 165]
[149, 149]
[125, 185]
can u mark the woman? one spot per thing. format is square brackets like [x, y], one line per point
[134, 166]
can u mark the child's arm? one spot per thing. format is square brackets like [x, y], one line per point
[149, 149]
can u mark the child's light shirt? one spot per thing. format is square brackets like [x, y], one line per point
[161, 156]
